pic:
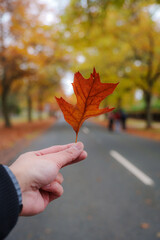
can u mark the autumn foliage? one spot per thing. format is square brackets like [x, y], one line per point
[89, 92]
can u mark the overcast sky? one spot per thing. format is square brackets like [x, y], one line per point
[57, 5]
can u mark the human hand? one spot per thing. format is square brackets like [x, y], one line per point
[39, 177]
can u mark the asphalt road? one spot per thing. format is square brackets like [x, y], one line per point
[102, 199]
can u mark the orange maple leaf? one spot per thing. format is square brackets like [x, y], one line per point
[89, 92]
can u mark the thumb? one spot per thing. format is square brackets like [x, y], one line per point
[68, 155]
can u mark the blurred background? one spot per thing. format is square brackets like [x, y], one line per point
[44, 42]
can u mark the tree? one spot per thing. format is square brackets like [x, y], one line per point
[28, 46]
[13, 55]
[122, 41]
[143, 52]
[11, 71]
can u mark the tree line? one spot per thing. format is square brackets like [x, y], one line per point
[32, 60]
[120, 38]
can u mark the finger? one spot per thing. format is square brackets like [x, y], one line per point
[52, 197]
[67, 156]
[52, 149]
[59, 179]
[82, 156]
[55, 188]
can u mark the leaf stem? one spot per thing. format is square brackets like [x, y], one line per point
[76, 137]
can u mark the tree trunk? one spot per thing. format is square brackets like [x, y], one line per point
[148, 113]
[5, 109]
[29, 104]
[5, 85]
[29, 108]
[119, 102]
[40, 107]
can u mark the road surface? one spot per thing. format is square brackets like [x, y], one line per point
[104, 196]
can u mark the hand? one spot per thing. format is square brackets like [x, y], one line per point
[38, 174]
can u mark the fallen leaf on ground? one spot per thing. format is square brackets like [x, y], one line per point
[148, 201]
[138, 192]
[145, 225]
[48, 230]
[99, 179]
[158, 235]
[89, 217]
[22, 130]
[89, 92]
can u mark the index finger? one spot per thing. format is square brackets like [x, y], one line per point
[53, 149]
[67, 156]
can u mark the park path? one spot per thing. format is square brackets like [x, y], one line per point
[103, 199]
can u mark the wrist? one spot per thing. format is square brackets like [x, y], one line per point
[19, 177]
[16, 185]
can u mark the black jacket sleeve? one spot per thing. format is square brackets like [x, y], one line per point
[9, 205]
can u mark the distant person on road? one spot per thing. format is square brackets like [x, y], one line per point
[33, 181]
[111, 121]
[117, 116]
[123, 119]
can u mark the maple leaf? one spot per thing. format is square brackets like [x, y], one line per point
[89, 92]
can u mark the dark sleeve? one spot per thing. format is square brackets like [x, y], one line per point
[9, 204]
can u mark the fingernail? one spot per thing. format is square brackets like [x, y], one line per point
[78, 145]
[48, 185]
